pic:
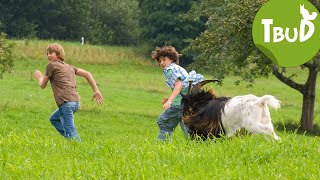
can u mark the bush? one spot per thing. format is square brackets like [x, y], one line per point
[6, 55]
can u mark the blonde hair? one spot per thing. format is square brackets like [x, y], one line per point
[166, 51]
[56, 48]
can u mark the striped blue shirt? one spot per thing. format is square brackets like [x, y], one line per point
[174, 72]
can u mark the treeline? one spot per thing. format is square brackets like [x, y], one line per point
[99, 21]
[114, 22]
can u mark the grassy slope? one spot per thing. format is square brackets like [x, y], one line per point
[119, 138]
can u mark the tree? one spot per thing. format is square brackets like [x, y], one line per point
[99, 21]
[65, 20]
[50, 19]
[226, 48]
[6, 55]
[118, 21]
[17, 17]
[162, 24]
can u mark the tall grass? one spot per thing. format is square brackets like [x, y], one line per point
[119, 138]
[78, 53]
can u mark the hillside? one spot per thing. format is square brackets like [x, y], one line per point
[119, 138]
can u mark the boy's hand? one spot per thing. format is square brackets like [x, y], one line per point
[164, 100]
[42, 80]
[38, 74]
[98, 97]
[167, 105]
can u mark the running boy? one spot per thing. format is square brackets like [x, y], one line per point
[63, 83]
[175, 76]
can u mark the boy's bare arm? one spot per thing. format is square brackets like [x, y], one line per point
[92, 82]
[177, 89]
[43, 80]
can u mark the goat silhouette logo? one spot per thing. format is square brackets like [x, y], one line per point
[287, 31]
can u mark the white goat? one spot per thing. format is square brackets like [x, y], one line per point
[207, 116]
[251, 113]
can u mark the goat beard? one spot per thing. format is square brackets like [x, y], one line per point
[206, 121]
[203, 127]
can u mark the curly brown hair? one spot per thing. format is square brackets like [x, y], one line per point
[166, 51]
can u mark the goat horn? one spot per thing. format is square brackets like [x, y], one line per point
[197, 88]
[189, 87]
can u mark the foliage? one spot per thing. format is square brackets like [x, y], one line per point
[163, 23]
[65, 19]
[118, 21]
[52, 19]
[226, 46]
[17, 17]
[6, 55]
[99, 21]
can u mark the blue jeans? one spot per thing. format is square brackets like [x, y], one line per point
[169, 120]
[63, 120]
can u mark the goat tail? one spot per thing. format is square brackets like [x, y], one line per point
[269, 100]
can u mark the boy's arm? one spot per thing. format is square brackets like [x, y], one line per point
[43, 80]
[176, 90]
[92, 82]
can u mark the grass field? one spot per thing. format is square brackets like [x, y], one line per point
[119, 138]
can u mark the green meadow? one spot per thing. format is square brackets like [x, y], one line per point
[119, 137]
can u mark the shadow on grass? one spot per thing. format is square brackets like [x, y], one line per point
[295, 127]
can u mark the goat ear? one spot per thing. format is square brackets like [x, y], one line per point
[197, 88]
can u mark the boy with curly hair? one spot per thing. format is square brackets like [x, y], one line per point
[175, 77]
